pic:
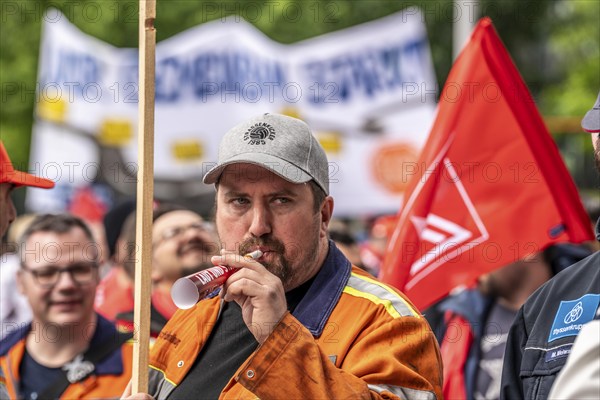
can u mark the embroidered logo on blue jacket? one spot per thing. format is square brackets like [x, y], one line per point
[571, 316]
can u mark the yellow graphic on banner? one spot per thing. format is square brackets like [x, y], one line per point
[116, 133]
[291, 112]
[53, 110]
[331, 141]
[187, 150]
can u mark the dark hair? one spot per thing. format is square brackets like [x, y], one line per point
[560, 256]
[113, 222]
[319, 195]
[57, 223]
[342, 237]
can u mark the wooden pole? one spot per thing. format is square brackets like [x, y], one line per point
[145, 193]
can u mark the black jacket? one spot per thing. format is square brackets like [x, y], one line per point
[546, 327]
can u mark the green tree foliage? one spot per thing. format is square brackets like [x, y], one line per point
[574, 57]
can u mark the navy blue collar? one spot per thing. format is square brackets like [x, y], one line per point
[105, 331]
[13, 338]
[314, 309]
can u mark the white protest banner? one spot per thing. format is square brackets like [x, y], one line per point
[367, 91]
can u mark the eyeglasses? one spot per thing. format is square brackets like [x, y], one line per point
[81, 273]
[176, 231]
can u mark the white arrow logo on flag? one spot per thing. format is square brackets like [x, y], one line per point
[451, 235]
[448, 238]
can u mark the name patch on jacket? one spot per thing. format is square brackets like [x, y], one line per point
[572, 315]
[559, 352]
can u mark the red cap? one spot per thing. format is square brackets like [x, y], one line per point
[19, 178]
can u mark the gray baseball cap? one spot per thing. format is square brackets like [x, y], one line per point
[281, 144]
[591, 121]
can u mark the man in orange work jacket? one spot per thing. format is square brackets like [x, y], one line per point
[68, 351]
[300, 321]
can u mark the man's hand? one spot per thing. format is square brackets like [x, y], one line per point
[258, 292]
[138, 396]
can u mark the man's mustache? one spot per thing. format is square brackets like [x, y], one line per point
[253, 243]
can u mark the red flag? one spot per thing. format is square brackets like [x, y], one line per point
[490, 187]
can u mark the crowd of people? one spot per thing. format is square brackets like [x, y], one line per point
[307, 319]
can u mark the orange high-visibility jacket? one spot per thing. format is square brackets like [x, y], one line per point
[350, 337]
[3, 391]
[109, 379]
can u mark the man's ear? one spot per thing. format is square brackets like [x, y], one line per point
[326, 214]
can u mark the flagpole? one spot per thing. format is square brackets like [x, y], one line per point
[465, 17]
[145, 190]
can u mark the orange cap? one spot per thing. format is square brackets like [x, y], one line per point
[8, 174]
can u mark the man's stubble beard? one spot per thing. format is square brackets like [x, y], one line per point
[283, 266]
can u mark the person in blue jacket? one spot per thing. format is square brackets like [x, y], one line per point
[542, 335]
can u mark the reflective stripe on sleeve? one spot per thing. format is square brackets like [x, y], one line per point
[379, 293]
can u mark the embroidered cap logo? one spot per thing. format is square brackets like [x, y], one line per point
[259, 133]
[574, 314]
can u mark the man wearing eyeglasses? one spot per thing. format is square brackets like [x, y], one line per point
[68, 351]
[182, 243]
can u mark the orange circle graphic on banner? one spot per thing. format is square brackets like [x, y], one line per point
[393, 165]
